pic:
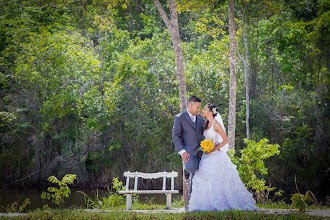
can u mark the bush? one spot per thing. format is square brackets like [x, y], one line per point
[58, 194]
[251, 164]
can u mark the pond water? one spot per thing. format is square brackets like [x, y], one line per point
[76, 199]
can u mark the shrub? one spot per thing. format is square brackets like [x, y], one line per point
[58, 194]
[251, 163]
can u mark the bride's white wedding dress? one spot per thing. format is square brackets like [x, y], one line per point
[216, 185]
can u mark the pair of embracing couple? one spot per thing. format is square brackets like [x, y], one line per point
[215, 183]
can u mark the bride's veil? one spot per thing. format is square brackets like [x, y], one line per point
[219, 119]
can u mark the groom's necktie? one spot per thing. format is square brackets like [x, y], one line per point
[193, 118]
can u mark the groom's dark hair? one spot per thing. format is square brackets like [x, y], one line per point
[194, 99]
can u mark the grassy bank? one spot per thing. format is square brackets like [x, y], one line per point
[83, 214]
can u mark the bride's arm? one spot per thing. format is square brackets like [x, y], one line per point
[218, 128]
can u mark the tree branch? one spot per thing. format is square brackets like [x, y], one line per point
[163, 14]
[239, 53]
[174, 13]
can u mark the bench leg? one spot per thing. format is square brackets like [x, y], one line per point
[168, 200]
[128, 201]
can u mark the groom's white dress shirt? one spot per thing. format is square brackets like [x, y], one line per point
[193, 118]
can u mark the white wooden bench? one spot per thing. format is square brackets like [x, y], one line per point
[136, 175]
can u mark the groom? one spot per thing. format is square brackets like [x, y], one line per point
[187, 135]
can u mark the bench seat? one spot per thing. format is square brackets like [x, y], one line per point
[137, 175]
[149, 192]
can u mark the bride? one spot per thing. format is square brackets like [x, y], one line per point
[216, 185]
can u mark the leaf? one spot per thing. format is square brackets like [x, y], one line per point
[53, 179]
[43, 195]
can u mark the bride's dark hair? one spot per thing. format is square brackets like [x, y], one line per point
[211, 107]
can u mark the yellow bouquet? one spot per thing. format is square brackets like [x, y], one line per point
[207, 145]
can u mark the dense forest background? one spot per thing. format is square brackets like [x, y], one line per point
[89, 87]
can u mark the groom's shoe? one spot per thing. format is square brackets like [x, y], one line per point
[186, 174]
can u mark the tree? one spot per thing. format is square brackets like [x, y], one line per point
[246, 76]
[232, 88]
[173, 27]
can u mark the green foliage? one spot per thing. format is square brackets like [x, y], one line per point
[90, 87]
[117, 184]
[251, 162]
[57, 195]
[113, 200]
[275, 205]
[15, 208]
[251, 166]
[178, 203]
[300, 201]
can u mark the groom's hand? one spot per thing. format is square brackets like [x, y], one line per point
[185, 157]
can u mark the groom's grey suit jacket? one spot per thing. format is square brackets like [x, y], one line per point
[186, 134]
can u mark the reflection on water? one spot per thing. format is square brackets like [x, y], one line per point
[76, 199]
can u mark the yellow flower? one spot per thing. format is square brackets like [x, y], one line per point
[207, 145]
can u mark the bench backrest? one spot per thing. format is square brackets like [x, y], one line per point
[136, 175]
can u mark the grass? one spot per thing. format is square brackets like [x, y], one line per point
[282, 205]
[82, 214]
[114, 201]
[111, 208]
[179, 204]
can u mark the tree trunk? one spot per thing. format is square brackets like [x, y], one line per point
[173, 27]
[102, 71]
[254, 65]
[232, 89]
[246, 75]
